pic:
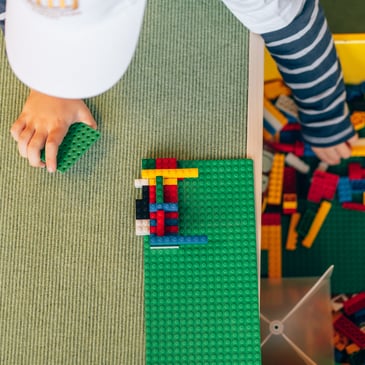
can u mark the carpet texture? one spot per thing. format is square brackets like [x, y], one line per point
[71, 268]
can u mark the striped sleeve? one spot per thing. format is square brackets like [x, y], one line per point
[2, 10]
[306, 57]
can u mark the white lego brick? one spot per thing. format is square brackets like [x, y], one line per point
[297, 163]
[142, 227]
[138, 183]
[287, 105]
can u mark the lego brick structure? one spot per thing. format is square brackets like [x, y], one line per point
[201, 301]
[79, 138]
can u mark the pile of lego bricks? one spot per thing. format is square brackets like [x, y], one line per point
[296, 185]
[298, 193]
[349, 328]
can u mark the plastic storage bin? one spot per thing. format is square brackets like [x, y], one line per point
[296, 321]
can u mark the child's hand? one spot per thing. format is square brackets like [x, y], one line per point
[44, 122]
[333, 155]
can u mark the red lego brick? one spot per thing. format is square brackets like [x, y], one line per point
[290, 180]
[354, 304]
[170, 193]
[355, 171]
[353, 206]
[330, 186]
[160, 223]
[152, 197]
[323, 186]
[344, 326]
[291, 127]
[172, 229]
[297, 148]
[171, 215]
[315, 193]
[166, 163]
[271, 219]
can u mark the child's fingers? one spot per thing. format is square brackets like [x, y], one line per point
[54, 139]
[17, 128]
[35, 146]
[23, 141]
[343, 150]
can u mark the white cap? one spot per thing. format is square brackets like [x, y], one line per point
[72, 48]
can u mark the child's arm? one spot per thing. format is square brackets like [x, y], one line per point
[305, 54]
[307, 60]
[43, 123]
[2, 11]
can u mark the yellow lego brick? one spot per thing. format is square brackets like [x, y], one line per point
[358, 148]
[317, 223]
[290, 201]
[170, 173]
[267, 136]
[275, 189]
[166, 181]
[264, 203]
[275, 88]
[169, 181]
[275, 253]
[265, 237]
[292, 238]
[290, 205]
[363, 198]
[358, 120]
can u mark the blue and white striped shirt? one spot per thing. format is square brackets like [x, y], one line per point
[307, 60]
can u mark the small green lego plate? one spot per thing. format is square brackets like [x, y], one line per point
[79, 139]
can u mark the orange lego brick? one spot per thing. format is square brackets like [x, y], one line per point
[275, 88]
[275, 189]
[358, 120]
[317, 223]
[292, 238]
[275, 253]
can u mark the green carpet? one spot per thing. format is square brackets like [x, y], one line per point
[71, 268]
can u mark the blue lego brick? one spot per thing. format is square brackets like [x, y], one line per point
[359, 317]
[357, 186]
[344, 191]
[174, 240]
[269, 127]
[168, 222]
[167, 207]
[308, 152]
[354, 92]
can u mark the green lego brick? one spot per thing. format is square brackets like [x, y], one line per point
[306, 221]
[159, 190]
[148, 163]
[78, 140]
[201, 301]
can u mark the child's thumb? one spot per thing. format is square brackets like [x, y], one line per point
[87, 118]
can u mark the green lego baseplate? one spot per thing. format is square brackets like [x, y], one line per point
[339, 242]
[78, 140]
[201, 301]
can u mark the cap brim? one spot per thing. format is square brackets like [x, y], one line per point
[70, 62]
